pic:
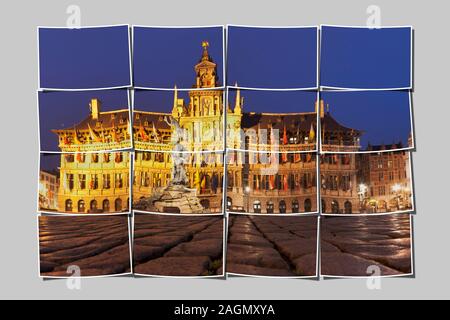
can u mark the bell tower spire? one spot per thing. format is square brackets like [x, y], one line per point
[206, 69]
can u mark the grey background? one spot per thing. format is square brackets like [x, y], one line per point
[19, 157]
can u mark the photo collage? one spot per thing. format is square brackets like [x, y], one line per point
[226, 151]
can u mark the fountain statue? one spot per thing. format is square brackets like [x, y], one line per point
[177, 197]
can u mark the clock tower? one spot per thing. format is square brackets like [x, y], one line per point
[203, 117]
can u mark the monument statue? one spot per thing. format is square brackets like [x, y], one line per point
[179, 155]
[176, 197]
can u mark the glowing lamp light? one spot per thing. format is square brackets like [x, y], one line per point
[396, 187]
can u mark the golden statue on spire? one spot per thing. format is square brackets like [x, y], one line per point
[205, 44]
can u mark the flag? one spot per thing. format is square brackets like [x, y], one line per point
[114, 133]
[155, 133]
[75, 137]
[142, 133]
[308, 157]
[93, 135]
[312, 134]
[203, 184]
[78, 155]
[66, 140]
[197, 180]
[297, 157]
[272, 182]
[285, 138]
[285, 183]
[284, 157]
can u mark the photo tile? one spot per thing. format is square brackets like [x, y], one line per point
[85, 183]
[84, 121]
[368, 183]
[269, 246]
[364, 246]
[178, 246]
[183, 57]
[284, 121]
[271, 183]
[164, 120]
[366, 58]
[178, 183]
[84, 58]
[272, 57]
[84, 246]
[366, 121]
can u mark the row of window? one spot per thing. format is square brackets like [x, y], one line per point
[95, 207]
[94, 157]
[94, 181]
[281, 206]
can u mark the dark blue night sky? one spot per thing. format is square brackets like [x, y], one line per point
[64, 109]
[384, 116]
[275, 101]
[84, 58]
[272, 58]
[50, 162]
[364, 58]
[165, 57]
[157, 101]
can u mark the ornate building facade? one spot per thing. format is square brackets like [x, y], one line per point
[385, 179]
[201, 120]
[93, 180]
[48, 190]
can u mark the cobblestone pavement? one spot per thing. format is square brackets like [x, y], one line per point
[178, 245]
[97, 245]
[272, 246]
[350, 245]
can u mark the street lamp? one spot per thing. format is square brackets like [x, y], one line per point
[396, 188]
[362, 194]
[247, 195]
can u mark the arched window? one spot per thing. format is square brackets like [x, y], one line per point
[308, 205]
[81, 206]
[334, 206]
[69, 205]
[348, 207]
[105, 205]
[324, 206]
[257, 206]
[205, 203]
[282, 206]
[295, 206]
[270, 207]
[93, 205]
[118, 205]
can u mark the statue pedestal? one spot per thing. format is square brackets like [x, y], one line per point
[173, 199]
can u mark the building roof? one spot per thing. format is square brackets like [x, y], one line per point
[292, 121]
[107, 119]
[382, 147]
[329, 124]
[147, 119]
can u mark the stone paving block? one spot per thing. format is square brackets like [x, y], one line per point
[306, 265]
[258, 271]
[175, 266]
[144, 253]
[98, 245]
[365, 241]
[212, 248]
[344, 264]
